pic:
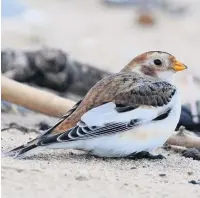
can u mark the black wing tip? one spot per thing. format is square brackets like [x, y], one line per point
[120, 108]
[19, 151]
[48, 140]
[163, 115]
[12, 152]
[133, 123]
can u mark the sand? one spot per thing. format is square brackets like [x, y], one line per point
[107, 38]
[61, 173]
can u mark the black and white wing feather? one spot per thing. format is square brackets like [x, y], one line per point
[93, 124]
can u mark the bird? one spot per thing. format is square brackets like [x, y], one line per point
[128, 114]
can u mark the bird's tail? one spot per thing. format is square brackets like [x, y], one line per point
[31, 145]
[20, 150]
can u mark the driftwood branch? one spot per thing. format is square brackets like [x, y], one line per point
[185, 142]
[23, 129]
[50, 68]
[34, 99]
[184, 139]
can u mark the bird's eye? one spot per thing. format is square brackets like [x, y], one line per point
[157, 62]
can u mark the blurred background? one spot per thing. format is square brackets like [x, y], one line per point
[107, 34]
[93, 38]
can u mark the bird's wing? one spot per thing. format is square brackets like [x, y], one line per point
[110, 122]
[123, 89]
[148, 101]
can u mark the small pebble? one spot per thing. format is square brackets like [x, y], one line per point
[133, 167]
[190, 173]
[43, 126]
[162, 174]
[191, 153]
[81, 178]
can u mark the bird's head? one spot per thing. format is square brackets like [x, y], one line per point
[156, 64]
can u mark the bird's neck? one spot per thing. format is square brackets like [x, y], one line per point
[166, 76]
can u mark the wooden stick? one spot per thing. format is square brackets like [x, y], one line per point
[181, 138]
[34, 99]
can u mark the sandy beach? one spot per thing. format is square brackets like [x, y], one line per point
[107, 38]
[73, 174]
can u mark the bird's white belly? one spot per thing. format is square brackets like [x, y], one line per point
[142, 138]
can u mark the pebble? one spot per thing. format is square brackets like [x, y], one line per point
[162, 175]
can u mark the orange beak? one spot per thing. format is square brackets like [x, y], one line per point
[178, 66]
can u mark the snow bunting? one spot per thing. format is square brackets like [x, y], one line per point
[131, 112]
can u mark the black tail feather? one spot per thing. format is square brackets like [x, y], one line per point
[23, 148]
[26, 149]
[20, 150]
[17, 149]
[14, 151]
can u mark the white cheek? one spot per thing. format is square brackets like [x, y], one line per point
[166, 75]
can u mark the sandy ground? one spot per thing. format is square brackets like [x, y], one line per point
[107, 38]
[74, 174]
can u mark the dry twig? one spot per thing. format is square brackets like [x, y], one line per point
[184, 139]
[20, 128]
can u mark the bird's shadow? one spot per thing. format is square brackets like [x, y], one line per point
[73, 156]
[70, 156]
